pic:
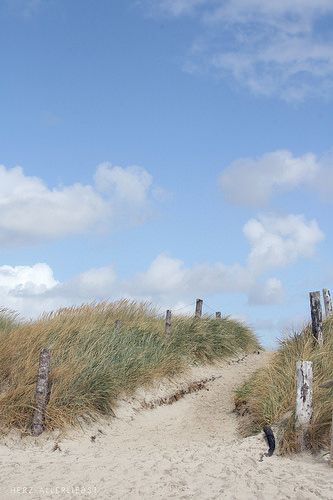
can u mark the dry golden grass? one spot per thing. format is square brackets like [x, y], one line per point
[92, 363]
[269, 395]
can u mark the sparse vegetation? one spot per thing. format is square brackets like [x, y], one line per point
[269, 396]
[8, 321]
[92, 363]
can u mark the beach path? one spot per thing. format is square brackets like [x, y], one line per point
[190, 449]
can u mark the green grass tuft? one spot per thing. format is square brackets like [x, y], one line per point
[269, 395]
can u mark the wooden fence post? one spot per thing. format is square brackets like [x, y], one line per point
[218, 315]
[317, 317]
[168, 322]
[117, 326]
[304, 377]
[198, 308]
[42, 392]
[327, 302]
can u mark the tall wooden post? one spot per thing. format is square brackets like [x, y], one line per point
[317, 317]
[117, 325]
[218, 315]
[304, 377]
[198, 308]
[168, 322]
[42, 392]
[327, 302]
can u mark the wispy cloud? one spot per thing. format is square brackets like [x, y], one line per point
[25, 8]
[279, 48]
[174, 8]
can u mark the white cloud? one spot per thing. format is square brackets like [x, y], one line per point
[293, 67]
[173, 7]
[238, 9]
[163, 276]
[252, 181]
[30, 211]
[270, 292]
[271, 47]
[167, 277]
[31, 290]
[324, 181]
[34, 279]
[245, 10]
[94, 284]
[130, 185]
[24, 288]
[274, 242]
[280, 241]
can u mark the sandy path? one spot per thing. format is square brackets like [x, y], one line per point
[187, 450]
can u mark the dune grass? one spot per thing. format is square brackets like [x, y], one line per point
[92, 364]
[269, 395]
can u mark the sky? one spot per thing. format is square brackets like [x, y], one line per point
[167, 150]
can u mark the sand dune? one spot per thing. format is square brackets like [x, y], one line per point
[190, 449]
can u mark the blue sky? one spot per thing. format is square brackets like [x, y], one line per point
[165, 150]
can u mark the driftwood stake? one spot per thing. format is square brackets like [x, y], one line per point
[117, 326]
[218, 315]
[327, 302]
[198, 308]
[42, 392]
[317, 317]
[304, 377]
[168, 322]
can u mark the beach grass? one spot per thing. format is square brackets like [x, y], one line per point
[93, 364]
[269, 396]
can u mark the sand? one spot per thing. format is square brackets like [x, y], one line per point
[190, 449]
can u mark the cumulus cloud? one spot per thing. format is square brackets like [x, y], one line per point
[130, 185]
[24, 288]
[27, 279]
[274, 242]
[167, 277]
[31, 290]
[94, 284]
[279, 241]
[271, 47]
[30, 211]
[253, 181]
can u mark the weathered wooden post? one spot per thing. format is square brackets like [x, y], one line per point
[317, 317]
[328, 385]
[42, 392]
[168, 322]
[304, 391]
[218, 315]
[117, 326]
[327, 302]
[198, 308]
